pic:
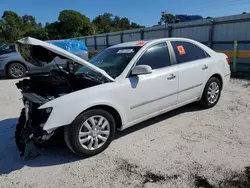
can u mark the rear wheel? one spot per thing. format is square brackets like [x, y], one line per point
[16, 70]
[211, 93]
[90, 133]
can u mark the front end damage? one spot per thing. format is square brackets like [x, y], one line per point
[38, 90]
[31, 122]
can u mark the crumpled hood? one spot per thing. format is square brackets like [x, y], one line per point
[41, 53]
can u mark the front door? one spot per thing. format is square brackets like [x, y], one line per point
[151, 93]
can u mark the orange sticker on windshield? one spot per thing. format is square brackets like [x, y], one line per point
[140, 43]
[181, 50]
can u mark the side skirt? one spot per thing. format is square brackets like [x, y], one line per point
[130, 124]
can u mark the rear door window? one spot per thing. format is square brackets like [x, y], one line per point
[186, 52]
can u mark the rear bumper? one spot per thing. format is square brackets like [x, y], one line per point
[226, 80]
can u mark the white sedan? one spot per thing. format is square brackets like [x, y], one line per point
[120, 87]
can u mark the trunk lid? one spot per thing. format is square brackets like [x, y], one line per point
[40, 53]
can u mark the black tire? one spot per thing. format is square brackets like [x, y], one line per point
[204, 102]
[14, 74]
[71, 133]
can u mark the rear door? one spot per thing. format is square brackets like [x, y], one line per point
[193, 69]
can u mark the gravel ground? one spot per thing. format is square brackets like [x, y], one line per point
[188, 147]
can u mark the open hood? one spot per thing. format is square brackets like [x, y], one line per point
[40, 53]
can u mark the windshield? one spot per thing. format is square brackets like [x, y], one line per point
[112, 60]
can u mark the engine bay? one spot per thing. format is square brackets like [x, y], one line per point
[55, 84]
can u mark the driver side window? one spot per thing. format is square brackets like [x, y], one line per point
[156, 56]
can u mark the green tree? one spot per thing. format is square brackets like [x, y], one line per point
[103, 23]
[135, 25]
[108, 23]
[167, 18]
[70, 24]
[29, 20]
[13, 26]
[73, 24]
[124, 23]
[53, 30]
[2, 29]
[37, 32]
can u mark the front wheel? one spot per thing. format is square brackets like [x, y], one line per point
[90, 133]
[211, 93]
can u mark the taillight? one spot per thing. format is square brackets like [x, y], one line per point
[228, 61]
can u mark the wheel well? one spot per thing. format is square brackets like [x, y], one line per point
[112, 111]
[8, 64]
[219, 78]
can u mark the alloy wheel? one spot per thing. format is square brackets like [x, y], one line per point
[213, 92]
[94, 132]
[17, 71]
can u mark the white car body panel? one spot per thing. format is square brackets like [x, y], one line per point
[139, 98]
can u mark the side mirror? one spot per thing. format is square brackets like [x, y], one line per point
[141, 69]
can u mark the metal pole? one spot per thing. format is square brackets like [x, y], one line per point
[121, 37]
[95, 43]
[85, 41]
[107, 40]
[169, 31]
[142, 34]
[235, 55]
[211, 34]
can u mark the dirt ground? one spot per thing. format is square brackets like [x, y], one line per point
[188, 147]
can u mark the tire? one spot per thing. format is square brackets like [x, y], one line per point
[72, 138]
[207, 101]
[16, 70]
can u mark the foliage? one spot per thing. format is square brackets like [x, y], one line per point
[167, 18]
[109, 23]
[70, 24]
[73, 24]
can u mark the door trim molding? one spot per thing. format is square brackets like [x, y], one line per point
[192, 87]
[150, 101]
[162, 97]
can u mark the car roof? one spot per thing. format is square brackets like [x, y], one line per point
[149, 42]
[131, 44]
[143, 42]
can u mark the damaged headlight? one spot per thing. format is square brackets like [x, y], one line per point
[42, 116]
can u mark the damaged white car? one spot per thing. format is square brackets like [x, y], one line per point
[123, 85]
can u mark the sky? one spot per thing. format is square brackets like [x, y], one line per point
[144, 12]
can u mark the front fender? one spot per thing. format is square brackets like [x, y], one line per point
[68, 107]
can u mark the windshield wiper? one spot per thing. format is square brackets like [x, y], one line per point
[92, 77]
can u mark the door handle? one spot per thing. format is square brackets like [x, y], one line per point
[204, 67]
[171, 76]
